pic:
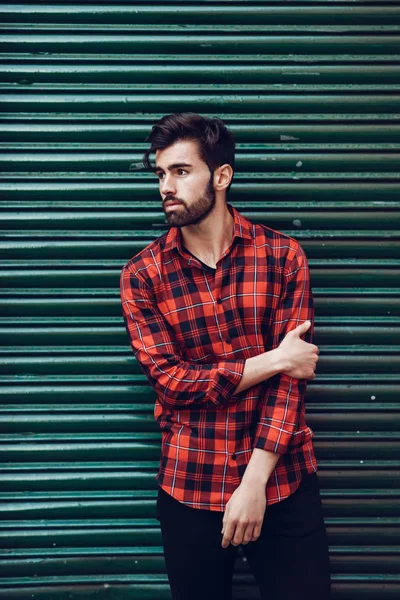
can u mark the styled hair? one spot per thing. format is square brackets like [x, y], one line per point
[216, 144]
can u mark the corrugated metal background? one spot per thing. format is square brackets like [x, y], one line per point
[311, 90]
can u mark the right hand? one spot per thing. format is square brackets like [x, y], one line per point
[300, 357]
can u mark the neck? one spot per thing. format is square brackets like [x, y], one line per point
[209, 239]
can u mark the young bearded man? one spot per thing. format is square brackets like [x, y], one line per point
[215, 310]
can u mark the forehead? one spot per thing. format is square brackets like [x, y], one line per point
[183, 151]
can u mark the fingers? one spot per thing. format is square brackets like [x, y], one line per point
[229, 532]
[237, 533]
[256, 532]
[300, 329]
[248, 534]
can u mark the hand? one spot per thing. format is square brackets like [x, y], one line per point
[244, 515]
[300, 357]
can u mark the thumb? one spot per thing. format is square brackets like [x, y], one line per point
[300, 329]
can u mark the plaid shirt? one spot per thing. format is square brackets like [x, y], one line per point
[192, 331]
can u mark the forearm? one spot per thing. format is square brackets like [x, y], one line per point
[261, 367]
[260, 467]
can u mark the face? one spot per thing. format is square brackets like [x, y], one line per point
[186, 184]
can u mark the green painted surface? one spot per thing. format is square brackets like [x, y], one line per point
[312, 93]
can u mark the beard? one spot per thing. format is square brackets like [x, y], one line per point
[194, 214]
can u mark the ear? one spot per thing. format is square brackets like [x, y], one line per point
[222, 177]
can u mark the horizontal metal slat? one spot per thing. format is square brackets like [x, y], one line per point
[127, 587]
[335, 363]
[324, 241]
[96, 131]
[122, 479]
[93, 524]
[292, 193]
[187, 59]
[297, 162]
[327, 466]
[116, 265]
[38, 223]
[382, 420]
[310, 88]
[119, 561]
[114, 321]
[200, 102]
[207, 43]
[103, 397]
[103, 293]
[102, 498]
[145, 508]
[340, 446]
[327, 304]
[239, 117]
[323, 278]
[136, 379]
[41, 28]
[101, 590]
[41, 338]
[148, 534]
[197, 12]
[206, 73]
[244, 151]
[75, 249]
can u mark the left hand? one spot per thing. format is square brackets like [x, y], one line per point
[244, 515]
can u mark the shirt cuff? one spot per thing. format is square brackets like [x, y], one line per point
[269, 439]
[270, 445]
[227, 377]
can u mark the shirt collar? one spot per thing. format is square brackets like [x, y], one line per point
[241, 228]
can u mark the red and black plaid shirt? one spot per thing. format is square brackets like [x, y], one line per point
[192, 331]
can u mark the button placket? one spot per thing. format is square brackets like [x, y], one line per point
[221, 313]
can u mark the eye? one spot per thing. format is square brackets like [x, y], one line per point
[181, 171]
[160, 175]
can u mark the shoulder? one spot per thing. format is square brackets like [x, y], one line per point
[146, 264]
[285, 249]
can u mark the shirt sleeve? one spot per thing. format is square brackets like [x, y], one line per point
[283, 398]
[177, 382]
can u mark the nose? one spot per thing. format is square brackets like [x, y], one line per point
[168, 187]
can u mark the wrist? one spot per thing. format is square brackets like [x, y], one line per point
[259, 469]
[254, 480]
[279, 360]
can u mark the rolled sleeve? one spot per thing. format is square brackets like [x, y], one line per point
[177, 382]
[283, 398]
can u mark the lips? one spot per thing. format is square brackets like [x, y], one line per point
[172, 203]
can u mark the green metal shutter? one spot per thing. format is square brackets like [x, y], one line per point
[311, 90]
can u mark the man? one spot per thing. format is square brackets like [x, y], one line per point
[215, 309]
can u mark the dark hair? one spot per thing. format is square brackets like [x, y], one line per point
[215, 142]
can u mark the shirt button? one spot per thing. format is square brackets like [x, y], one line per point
[233, 416]
[219, 301]
[228, 341]
[233, 457]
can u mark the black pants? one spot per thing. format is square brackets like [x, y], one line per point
[289, 559]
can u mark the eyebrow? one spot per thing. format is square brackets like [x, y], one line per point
[173, 166]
